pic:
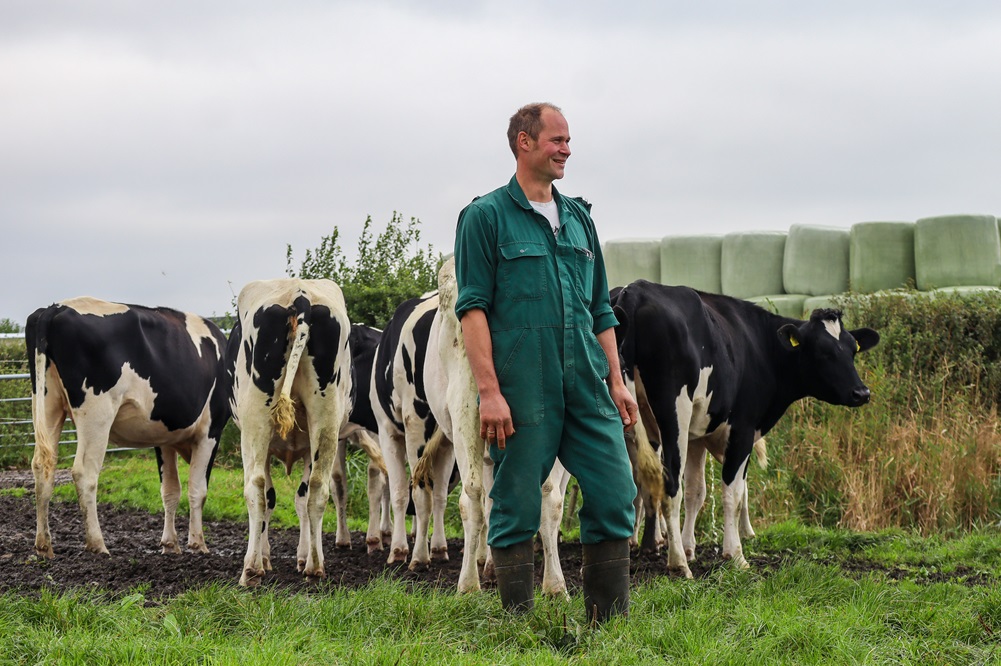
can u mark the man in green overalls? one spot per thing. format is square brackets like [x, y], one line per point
[539, 334]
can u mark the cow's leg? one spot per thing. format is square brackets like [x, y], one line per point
[270, 500]
[421, 557]
[202, 457]
[340, 489]
[170, 493]
[48, 416]
[376, 492]
[319, 490]
[394, 450]
[695, 494]
[734, 494]
[386, 511]
[674, 453]
[469, 455]
[92, 437]
[553, 491]
[439, 498]
[255, 435]
[301, 499]
[746, 531]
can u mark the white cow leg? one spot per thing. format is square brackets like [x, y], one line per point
[746, 531]
[170, 493]
[469, 458]
[484, 556]
[553, 491]
[301, 500]
[421, 557]
[319, 493]
[198, 490]
[376, 490]
[695, 495]
[93, 443]
[394, 453]
[43, 466]
[255, 483]
[340, 490]
[733, 495]
[386, 511]
[439, 498]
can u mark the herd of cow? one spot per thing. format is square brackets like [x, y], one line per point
[711, 373]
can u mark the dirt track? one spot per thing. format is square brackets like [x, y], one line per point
[133, 539]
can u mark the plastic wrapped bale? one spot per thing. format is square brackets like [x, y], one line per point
[786, 305]
[881, 256]
[692, 261]
[815, 262]
[957, 251]
[629, 259]
[751, 263]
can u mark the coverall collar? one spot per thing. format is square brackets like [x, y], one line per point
[514, 189]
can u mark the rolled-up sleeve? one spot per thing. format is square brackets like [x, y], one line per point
[475, 260]
[601, 307]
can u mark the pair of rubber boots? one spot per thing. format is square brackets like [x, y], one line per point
[605, 573]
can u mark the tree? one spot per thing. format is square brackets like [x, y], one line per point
[389, 269]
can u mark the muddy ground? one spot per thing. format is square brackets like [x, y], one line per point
[133, 539]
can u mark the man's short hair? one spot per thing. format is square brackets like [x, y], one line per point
[527, 119]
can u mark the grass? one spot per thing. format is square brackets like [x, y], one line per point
[810, 609]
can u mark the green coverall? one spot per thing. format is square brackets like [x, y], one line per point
[545, 298]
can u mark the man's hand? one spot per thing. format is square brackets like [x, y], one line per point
[495, 419]
[628, 409]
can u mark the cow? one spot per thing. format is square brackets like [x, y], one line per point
[719, 372]
[406, 425]
[292, 366]
[136, 376]
[295, 446]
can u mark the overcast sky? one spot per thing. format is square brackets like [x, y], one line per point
[166, 153]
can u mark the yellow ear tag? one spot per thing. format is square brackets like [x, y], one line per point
[858, 347]
[793, 341]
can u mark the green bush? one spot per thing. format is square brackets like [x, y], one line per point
[389, 269]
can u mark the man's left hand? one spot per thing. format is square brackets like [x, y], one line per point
[628, 409]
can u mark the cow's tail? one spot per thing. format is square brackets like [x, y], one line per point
[761, 453]
[46, 434]
[363, 440]
[423, 472]
[649, 472]
[283, 411]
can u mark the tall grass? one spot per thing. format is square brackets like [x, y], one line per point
[925, 453]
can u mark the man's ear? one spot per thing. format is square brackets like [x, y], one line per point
[789, 336]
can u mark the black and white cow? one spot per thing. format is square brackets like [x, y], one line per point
[719, 372]
[136, 376]
[406, 424]
[359, 431]
[293, 366]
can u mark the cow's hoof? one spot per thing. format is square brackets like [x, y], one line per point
[343, 546]
[489, 573]
[300, 565]
[374, 545]
[45, 552]
[99, 549]
[398, 555]
[689, 554]
[387, 539]
[199, 547]
[418, 566]
[251, 577]
[681, 571]
[737, 561]
[315, 576]
[439, 554]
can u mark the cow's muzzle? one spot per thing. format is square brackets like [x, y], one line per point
[860, 396]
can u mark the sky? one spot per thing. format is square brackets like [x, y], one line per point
[167, 153]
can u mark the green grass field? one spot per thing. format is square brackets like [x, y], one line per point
[837, 597]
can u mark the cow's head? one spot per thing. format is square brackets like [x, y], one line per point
[825, 357]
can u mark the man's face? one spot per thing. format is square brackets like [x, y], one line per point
[547, 155]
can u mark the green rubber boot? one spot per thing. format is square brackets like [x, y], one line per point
[606, 580]
[515, 570]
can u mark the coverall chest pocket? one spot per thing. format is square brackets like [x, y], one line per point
[523, 270]
[584, 269]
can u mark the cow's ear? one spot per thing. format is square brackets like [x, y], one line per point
[865, 338]
[789, 336]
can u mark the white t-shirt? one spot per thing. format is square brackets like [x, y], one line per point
[550, 211]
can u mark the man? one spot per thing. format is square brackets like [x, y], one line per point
[539, 334]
